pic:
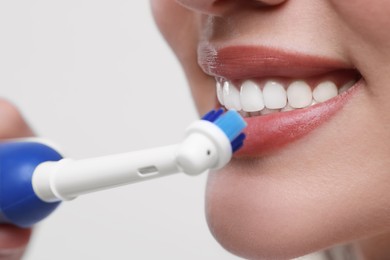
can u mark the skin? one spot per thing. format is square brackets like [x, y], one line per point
[330, 187]
[13, 240]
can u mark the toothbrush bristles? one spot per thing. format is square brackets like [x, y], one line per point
[238, 142]
[231, 123]
[213, 115]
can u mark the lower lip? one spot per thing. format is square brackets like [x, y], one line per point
[268, 133]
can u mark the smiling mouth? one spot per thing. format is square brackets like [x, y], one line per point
[283, 96]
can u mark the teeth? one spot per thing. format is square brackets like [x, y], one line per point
[325, 91]
[251, 97]
[251, 100]
[274, 95]
[287, 108]
[219, 92]
[299, 94]
[231, 96]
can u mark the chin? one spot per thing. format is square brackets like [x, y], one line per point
[285, 212]
[260, 228]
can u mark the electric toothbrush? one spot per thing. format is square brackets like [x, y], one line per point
[35, 178]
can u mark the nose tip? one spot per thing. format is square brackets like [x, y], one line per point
[217, 7]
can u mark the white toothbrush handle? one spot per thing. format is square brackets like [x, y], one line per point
[205, 147]
[67, 179]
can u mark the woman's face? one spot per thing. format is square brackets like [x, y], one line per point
[314, 171]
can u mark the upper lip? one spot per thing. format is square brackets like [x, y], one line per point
[244, 62]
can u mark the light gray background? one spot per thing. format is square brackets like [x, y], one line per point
[97, 78]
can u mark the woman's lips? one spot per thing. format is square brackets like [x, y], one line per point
[269, 132]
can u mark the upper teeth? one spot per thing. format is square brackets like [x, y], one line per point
[273, 96]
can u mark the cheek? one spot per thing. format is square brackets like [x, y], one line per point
[179, 27]
[175, 23]
[369, 19]
[161, 10]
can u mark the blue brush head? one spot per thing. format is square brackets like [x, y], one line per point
[231, 123]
